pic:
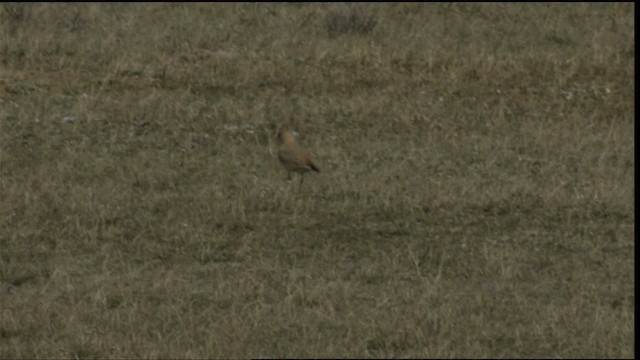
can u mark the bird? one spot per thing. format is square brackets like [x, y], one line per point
[293, 157]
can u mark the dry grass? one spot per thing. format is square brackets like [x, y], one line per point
[476, 198]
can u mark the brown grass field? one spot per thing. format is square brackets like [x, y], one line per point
[475, 199]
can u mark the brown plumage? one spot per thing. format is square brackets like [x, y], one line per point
[293, 157]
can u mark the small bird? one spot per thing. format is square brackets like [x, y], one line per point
[293, 157]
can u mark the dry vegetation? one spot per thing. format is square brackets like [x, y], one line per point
[475, 200]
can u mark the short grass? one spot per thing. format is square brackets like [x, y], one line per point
[476, 197]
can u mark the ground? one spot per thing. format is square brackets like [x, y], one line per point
[476, 194]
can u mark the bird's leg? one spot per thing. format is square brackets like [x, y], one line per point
[289, 175]
[301, 179]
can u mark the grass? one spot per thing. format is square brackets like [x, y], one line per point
[475, 199]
